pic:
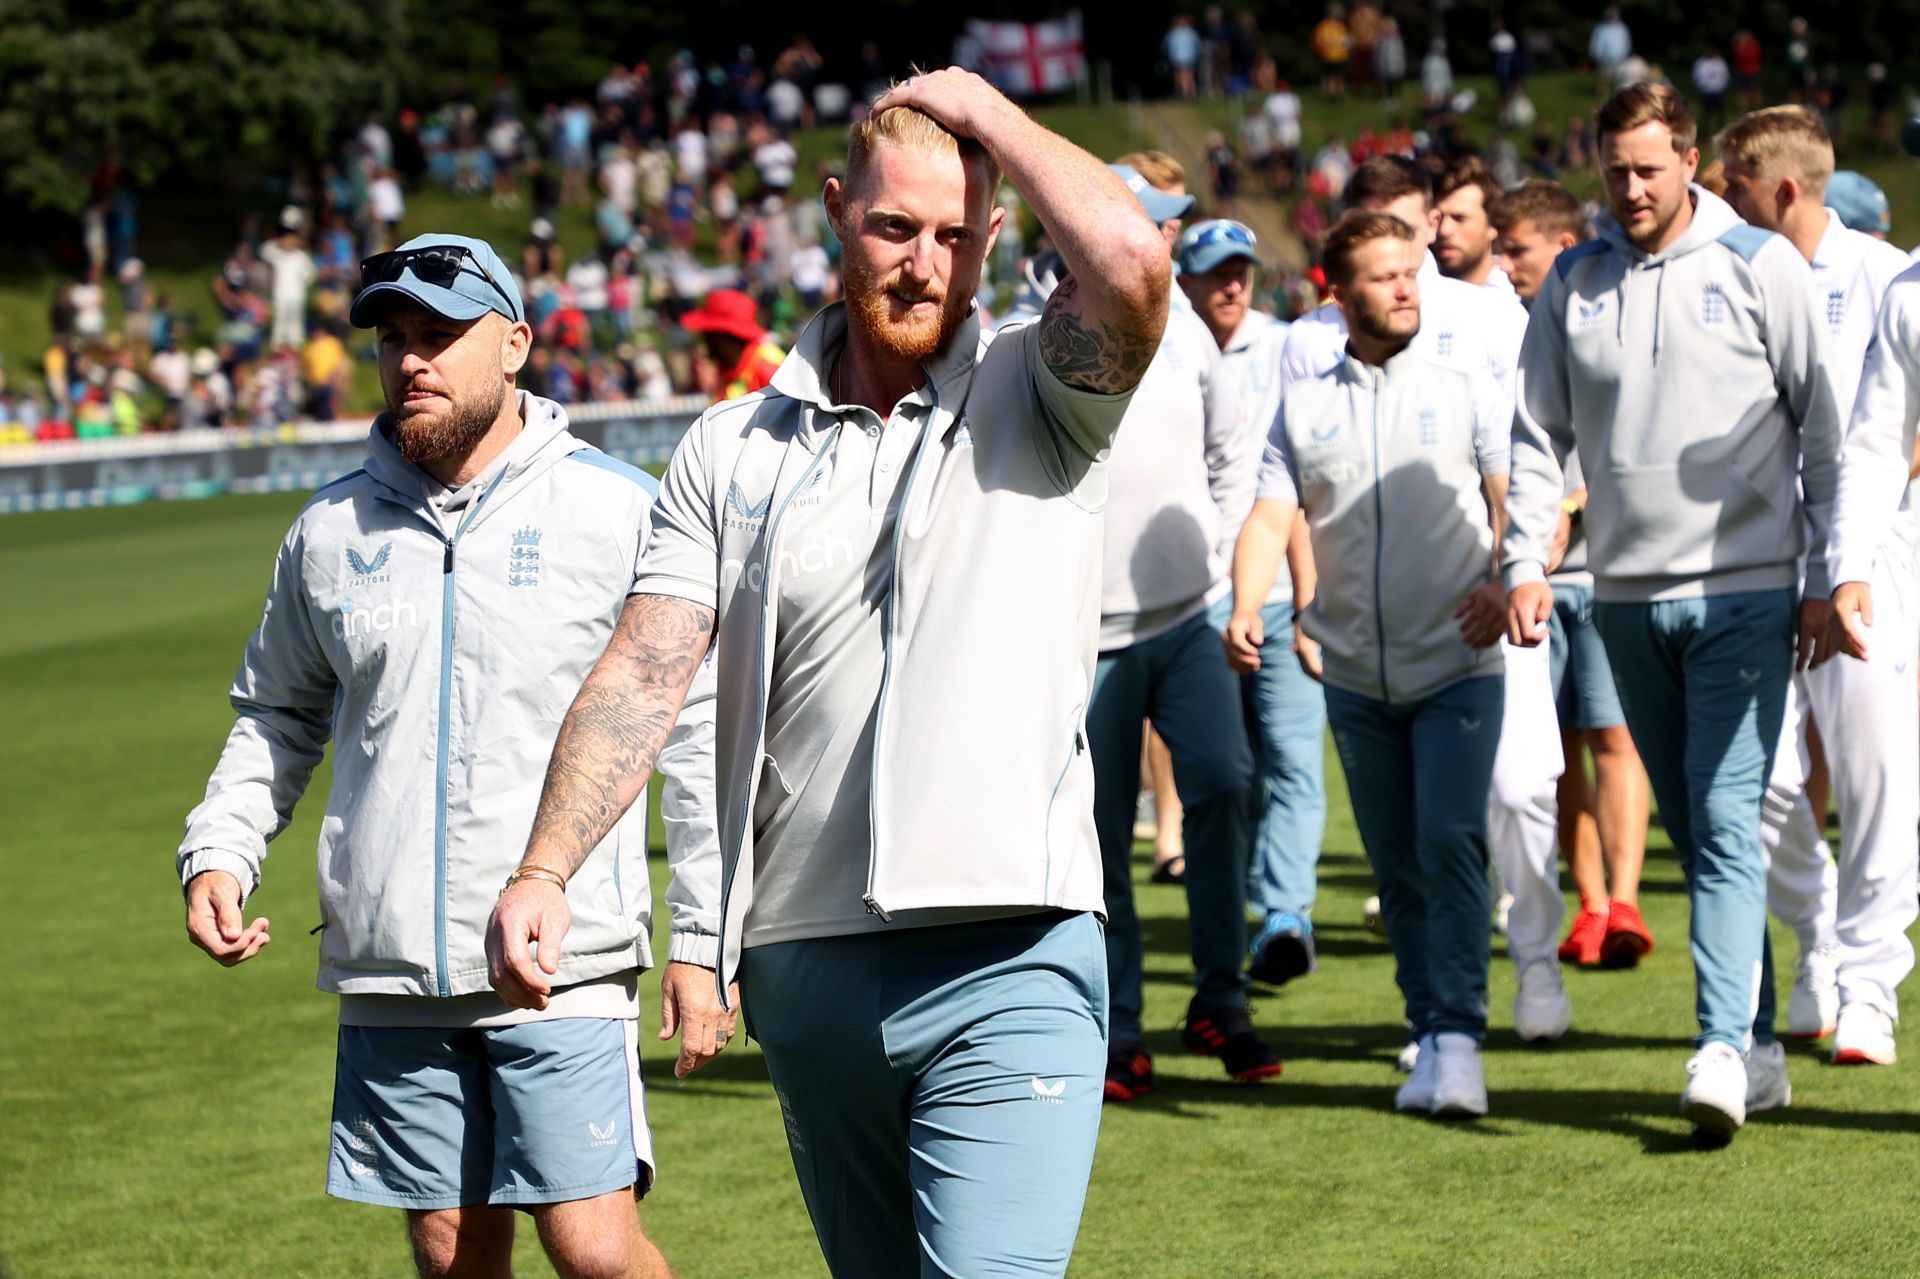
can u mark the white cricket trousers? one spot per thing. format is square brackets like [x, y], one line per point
[1523, 810]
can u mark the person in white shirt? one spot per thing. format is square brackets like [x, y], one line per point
[1286, 710]
[293, 275]
[1463, 234]
[1853, 947]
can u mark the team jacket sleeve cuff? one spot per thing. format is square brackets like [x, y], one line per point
[1520, 572]
[205, 859]
[694, 948]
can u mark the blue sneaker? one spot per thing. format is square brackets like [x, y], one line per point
[1283, 949]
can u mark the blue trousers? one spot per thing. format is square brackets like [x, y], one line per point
[1287, 721]
[1419, 774]
[1180, 680]
[941, 1089]
[1704, 685]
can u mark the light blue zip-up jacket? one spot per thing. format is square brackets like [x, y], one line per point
[1695, 384]
[441, 665]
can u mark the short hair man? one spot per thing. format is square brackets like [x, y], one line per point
[1476, 328]
[1463, 234]
[1869, 622]
[1602, 827]
[1182, 479]
[434, 613]
[1853, 947]
[1166, 175]
[858, 540]
[1287, 711]
[1681, 354]
[1415, 693]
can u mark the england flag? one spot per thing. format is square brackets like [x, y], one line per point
[1032, 59]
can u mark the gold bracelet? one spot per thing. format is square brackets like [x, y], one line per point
[544, 873]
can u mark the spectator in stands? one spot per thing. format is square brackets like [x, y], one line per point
[740, 359]
[1711, 76]
[1436, 76]
[293, 274]
[1333, 46]
[1610, 45]
[1748, 57]
[1390, 61]
[135, 310]
[325, 371]
[1363, 31]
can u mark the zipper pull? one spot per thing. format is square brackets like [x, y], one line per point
[447, 565]
[873, 908]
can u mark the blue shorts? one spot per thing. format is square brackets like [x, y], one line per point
[539, 1113]
[1583, 690]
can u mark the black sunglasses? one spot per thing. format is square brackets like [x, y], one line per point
[437, 265]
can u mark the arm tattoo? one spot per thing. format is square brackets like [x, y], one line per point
[1107, 358]
[618, 722]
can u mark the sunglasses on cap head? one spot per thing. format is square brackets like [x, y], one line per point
[1219, 231]
[437, 264]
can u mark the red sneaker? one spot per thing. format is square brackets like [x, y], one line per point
[1582, 945]
[1627, 941]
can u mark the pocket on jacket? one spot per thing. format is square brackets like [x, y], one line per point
[772, 792]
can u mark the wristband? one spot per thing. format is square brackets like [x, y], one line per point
[544, 873]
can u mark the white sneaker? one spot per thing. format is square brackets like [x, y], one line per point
[1541, 1009]
[1715, 1099]
[1370, 917]
[1416, 1095]
[1816, 994]
[1767, 1086]
[1409, 1056]
[1863, 1036]
[1459, 1077]
[1502, 908]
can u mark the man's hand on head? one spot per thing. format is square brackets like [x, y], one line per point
[957, 98]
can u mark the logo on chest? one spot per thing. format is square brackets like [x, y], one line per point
[1713, 305]
[1443, 344]
[523, 558]
[1429, 428]
[740, 513]
[1591, 313]
[368, 572]
[1836, 309]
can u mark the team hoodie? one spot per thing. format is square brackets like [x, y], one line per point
[1693, 384]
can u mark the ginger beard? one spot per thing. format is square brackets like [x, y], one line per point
[425, 435]
[884, 310]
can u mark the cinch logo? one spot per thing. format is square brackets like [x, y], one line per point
[1713, 304]
[1836, 308]
[361, 572]
[523, 560]
[350, 622]
[815, 557]
[1429, 428]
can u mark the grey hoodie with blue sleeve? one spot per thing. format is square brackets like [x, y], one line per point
[1694, 385]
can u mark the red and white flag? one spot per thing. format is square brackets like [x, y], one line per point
[1030, 59]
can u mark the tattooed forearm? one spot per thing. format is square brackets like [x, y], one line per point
[1105, 357]
[616, 727]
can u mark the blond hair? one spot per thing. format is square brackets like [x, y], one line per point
[1780, 142]
[914, 130]
[1161, 170]
[1649, 102]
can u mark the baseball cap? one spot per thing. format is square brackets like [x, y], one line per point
[1860, 202]
[1205, 245]
[454, 276]
[1160, 206]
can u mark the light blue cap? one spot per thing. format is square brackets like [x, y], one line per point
[468, 296]
[1860, 202]
[1160, 206]
[1205, 245]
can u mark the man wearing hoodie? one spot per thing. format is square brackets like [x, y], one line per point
[1853, 947]
[894, 552]
[435, 613]
[1681, 355]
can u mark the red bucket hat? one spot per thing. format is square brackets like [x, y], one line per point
[725, 311]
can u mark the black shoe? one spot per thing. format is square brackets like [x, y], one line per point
[1227, 1033]
[1129, 1072]
[1282, 951]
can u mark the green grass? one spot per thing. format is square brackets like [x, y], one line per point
[163, 1117]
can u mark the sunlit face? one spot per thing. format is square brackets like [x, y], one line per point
[1410, 209]
[914, 235]
[1753, 198]
[1220, 296]
[1646, 183]
[445, 380]
[1170, 229]
[1527, 254]
[1462, 235]
[1382, 299]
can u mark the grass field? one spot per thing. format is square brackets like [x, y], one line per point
[163, 1117]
